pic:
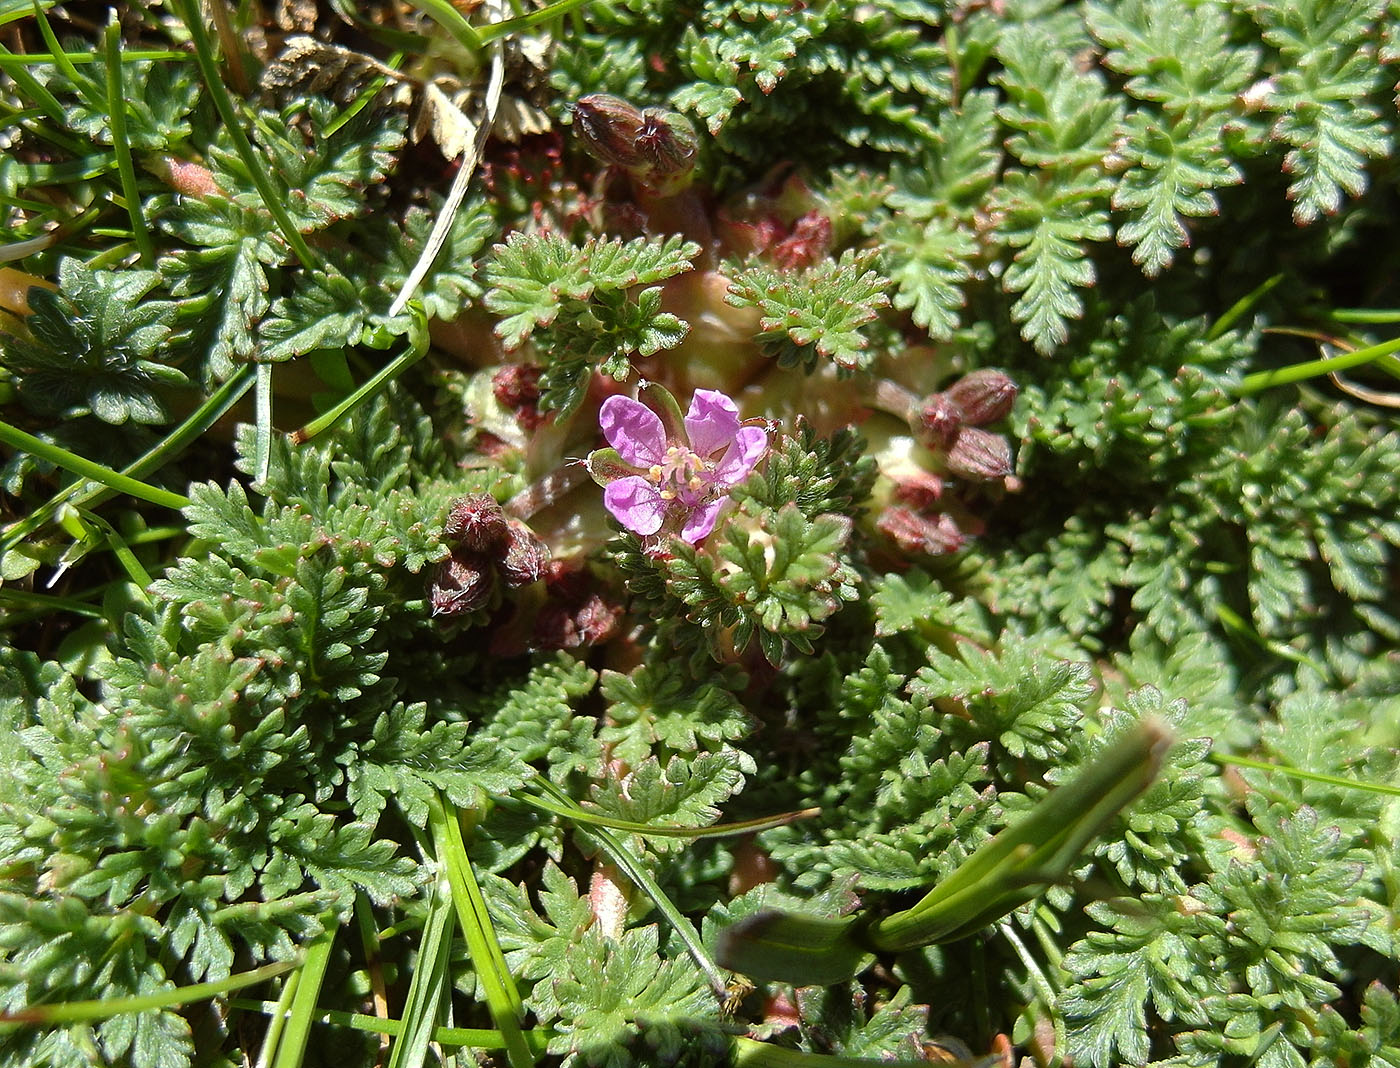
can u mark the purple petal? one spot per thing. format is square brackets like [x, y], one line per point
[750, 443]
[634, 430]
[711, 422]
[701, 521]
[636, 504]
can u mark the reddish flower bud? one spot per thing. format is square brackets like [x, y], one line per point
[933, 535]
[667, 144]
[980, 455]
[939, 420]
[476, 523]
[460, 586]
[525, 557]
[183, 176]
[656, 147]
[985, 396]
[920, 490]
[808, 243]
[517, 387]
[608, 127]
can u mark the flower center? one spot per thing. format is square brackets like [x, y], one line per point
[680, 469]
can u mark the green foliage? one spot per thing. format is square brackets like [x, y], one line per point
[574, 302]
[321, 175]
[1326, 70]
[158, 98]
[223, 732]
[816, 474]
[1172, 952]
[613, 1000]
[659, 708]
[92, 348]
[817, 315]
[776, 576]
[220, 272]
[1174, 143]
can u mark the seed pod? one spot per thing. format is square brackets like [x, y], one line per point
[476, 523]
[525, 557]
[460, 586]
[985, 396]
[980, 455]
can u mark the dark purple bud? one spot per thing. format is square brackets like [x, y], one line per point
[985, 396]
[979, 455]
[476, 523]
[555, 628]
[525, 557]
[939, 419]
[459, 586]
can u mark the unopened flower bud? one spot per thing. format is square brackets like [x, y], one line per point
[525, 557]
[914, 532]
[459, 586]
[980, 455]
[608, 127]
[808, 243]
[517, 388]
[476, 523]
[939, 419]
[184, 176]
[656, 147]
[985, 396]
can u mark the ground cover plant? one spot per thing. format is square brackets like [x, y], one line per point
[738, 532]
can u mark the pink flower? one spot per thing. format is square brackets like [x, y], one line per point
[674, 479]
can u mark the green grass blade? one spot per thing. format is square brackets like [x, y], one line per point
[42, 605]
[503, 1000]
[9, 61]
[417, 349]
[126, 170]
[79, 1011]
[1298, 372]
[429, 986]
[523, 23]
[1237, 310]
[278, 1022]
[302, 1013]
[450, 19]
[1015, 865]
[214, 408]
[81, 465]
[35, 91]
[472, 1037]
[786, 947]
[1308, 776]
[60, 58]
[133, 567]
[715, 830]
[1367, 316]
